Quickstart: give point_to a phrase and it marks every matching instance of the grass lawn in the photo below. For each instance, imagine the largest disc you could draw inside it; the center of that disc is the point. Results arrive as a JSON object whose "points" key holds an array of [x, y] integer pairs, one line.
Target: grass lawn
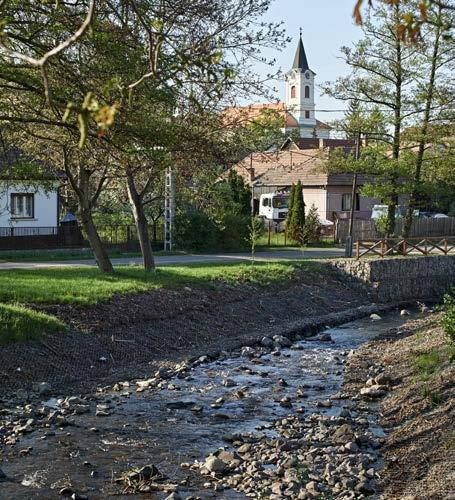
{"points": [[85, 286], [18, 323]]}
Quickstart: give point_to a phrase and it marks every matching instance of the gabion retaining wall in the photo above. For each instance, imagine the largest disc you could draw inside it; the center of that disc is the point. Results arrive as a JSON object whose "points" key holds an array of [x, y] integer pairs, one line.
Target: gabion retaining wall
{"points": [[400, 279]]}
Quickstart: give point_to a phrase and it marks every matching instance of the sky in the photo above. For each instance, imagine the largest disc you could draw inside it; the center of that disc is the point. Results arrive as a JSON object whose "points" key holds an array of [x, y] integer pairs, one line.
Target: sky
{"points": [[326, 25]]}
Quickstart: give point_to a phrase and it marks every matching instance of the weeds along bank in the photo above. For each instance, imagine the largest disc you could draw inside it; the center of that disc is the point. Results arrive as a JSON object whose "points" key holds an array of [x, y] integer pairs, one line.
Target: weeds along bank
{"points": [[418, 409]]}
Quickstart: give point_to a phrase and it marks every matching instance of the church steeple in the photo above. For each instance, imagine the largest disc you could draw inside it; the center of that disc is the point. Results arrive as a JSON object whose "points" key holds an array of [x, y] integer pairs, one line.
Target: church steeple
{"points": [[300, 60]]}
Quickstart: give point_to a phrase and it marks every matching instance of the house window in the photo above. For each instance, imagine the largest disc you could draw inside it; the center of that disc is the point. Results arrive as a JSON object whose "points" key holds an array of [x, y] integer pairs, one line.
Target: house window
{"points": [[307, 91], [22, 206], [307, 114], [293, 92], [346, 202]]}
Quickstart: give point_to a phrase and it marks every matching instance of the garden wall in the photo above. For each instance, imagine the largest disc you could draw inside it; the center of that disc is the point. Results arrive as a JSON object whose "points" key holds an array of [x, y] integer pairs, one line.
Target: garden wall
{"points": [[400, 279]]}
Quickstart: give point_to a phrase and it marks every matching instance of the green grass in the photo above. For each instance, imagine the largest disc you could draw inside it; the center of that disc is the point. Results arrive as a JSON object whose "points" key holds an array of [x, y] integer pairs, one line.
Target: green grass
{"points": [[426, 364], [83, 285], [18, 323], [64, 255]]}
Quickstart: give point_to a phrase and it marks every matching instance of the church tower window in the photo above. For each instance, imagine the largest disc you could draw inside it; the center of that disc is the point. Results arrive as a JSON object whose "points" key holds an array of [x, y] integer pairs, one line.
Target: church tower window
{"points": [[307, 114], [293, 92], [307, 91]]}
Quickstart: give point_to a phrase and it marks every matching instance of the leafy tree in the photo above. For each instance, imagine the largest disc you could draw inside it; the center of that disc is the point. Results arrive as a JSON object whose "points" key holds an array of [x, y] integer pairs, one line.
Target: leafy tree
{"points": [[255, 228], [241, 194], [383, 73], [415, 16], [113, 90], [437, 55]]}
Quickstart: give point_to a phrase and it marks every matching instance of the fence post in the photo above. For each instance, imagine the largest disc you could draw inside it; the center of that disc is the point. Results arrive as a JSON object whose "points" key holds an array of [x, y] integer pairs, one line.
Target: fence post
{"points": [[446, 250], [270, 232]]}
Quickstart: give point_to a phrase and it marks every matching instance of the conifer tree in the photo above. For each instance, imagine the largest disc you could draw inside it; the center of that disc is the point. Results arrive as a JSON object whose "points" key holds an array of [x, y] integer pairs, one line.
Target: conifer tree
{"points": [[313, 227], [290, 205], [297, 218]]}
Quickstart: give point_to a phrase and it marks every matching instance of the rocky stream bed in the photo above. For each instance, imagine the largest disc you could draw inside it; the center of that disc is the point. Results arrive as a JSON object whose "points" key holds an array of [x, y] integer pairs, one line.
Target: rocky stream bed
{"points": [[267, 421]]}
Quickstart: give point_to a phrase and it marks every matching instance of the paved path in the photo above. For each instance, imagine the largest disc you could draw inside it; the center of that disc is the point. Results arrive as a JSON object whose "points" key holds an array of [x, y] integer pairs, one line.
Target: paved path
{"points": [[312, 253]]}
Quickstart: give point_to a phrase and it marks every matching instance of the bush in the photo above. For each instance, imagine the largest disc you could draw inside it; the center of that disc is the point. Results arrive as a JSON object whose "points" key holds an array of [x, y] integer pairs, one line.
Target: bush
{"points": [[313, 228], [195, 230], [448, 317], [233, 232]]}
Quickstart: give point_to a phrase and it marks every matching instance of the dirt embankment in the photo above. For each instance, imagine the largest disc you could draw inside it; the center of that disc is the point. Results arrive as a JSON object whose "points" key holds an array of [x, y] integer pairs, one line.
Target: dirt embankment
{"points": [[418, 414], [130, 335]]}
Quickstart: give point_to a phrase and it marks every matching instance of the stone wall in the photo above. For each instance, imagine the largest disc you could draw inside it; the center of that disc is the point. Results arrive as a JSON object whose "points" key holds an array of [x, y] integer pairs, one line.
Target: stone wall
{"points": [[400, 279]]}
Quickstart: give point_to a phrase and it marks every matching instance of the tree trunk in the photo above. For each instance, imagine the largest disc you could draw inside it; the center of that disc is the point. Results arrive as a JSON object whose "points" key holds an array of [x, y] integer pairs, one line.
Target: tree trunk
{"points": [[423, 137], [141, 224], [155, 222], [100, 253], [393, 203]]}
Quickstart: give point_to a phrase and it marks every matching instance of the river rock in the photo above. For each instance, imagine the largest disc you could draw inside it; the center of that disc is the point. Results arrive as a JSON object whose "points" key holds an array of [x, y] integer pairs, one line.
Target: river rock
{"points": [[181, 405], [248, 352], [42, 388], [282, 341], [375, 317], [215, 464], [382, 379], [267, 342], [375, 391], [404, 312], [351, 446], [325, 337], [174, 496]]}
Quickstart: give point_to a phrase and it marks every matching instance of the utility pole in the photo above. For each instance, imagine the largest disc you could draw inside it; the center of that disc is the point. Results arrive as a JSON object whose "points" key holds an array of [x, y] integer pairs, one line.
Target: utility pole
{"points": [[169, 208], [348, 250]]}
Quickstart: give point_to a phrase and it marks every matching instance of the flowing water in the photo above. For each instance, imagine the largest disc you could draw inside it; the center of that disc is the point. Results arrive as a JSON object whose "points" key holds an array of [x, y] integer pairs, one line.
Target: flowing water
{"points": [[182, 422]]}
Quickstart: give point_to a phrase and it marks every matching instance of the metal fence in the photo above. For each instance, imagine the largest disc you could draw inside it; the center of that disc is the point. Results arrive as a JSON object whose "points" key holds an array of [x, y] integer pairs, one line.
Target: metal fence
{"points": [[8, 232], [117, 235], [367, 230]]}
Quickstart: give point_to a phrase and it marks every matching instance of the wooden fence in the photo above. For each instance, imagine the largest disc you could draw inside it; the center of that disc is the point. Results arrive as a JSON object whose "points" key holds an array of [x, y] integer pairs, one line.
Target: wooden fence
{"points": [[404, 247], [367, 230]]}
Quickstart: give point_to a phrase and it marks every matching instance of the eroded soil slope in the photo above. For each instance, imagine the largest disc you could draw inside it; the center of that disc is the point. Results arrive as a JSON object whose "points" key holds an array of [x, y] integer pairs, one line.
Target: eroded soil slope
{"points": [[124, 336]]}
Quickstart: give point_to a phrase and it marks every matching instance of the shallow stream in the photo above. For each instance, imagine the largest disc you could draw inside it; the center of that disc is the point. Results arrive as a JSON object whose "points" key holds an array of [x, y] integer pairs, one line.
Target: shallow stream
{"points": [[182, 422]]}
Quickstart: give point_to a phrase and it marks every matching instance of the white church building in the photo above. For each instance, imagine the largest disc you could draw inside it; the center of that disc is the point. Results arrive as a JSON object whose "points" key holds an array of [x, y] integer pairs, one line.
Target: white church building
{"points": [[299, 109], [300, 101]]}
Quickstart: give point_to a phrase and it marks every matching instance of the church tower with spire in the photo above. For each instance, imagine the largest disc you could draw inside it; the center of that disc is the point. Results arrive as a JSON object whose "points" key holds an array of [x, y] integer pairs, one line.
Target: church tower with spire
{"points": [[300, 95]]}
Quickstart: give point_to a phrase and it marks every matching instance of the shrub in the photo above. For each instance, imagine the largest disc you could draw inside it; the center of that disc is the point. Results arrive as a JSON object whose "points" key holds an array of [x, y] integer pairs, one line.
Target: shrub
{"points": [[313, 228], [233, 232], [195, 230], [448, 317]]}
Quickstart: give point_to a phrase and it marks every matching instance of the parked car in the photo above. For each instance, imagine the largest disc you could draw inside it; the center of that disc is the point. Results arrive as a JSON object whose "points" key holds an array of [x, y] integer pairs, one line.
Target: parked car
{"points": [[381, 210]]}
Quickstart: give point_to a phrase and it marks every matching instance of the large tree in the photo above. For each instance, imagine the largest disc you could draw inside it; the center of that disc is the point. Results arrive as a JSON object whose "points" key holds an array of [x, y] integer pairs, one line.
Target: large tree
{"points": [[384, 69], [118, 87]]}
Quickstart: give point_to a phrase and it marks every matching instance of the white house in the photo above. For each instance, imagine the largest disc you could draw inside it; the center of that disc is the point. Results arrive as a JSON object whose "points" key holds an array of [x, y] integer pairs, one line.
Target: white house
{"points": [[29, 202]]}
